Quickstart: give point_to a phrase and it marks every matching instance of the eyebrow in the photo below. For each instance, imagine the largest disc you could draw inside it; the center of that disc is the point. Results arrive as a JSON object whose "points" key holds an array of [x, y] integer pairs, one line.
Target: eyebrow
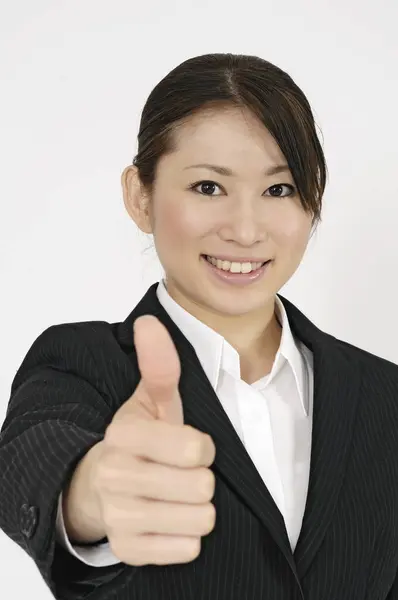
{"points": [[273, 170]]}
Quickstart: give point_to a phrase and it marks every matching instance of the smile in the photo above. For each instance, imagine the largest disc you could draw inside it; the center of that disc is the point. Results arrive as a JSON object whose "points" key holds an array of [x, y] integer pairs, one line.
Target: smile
{"points": [[234, 266], [237, 274]]}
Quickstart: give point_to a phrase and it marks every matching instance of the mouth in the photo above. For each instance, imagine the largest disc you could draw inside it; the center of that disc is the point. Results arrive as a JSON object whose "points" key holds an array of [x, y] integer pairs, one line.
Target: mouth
{"points": [[234, 273], [235, 266]]}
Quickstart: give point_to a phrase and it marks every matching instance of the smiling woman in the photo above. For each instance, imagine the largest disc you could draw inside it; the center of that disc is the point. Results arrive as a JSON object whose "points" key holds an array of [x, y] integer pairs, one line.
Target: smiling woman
{"points": [[216, 444]]}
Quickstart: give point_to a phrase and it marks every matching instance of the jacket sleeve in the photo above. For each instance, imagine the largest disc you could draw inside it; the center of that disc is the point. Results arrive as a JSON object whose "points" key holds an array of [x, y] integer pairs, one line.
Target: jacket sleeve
{"points": [[59, 407]]}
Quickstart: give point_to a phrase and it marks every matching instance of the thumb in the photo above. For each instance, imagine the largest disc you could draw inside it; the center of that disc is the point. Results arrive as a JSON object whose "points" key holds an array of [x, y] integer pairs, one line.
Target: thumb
{"points": [[160, 370]]}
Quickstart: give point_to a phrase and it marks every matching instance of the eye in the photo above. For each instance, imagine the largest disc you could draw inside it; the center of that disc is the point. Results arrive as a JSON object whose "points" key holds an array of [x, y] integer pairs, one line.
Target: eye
{"points": [[278, 187], [208, 184], [276, 190]]}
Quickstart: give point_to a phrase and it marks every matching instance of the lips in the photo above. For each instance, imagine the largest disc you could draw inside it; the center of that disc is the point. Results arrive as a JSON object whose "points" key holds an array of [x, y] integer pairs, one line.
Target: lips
{"points": [[238, 277]]}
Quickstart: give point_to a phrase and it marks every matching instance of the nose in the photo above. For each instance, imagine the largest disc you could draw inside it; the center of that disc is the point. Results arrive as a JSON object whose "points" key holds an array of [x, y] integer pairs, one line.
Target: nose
{"points": [[243, 225]]}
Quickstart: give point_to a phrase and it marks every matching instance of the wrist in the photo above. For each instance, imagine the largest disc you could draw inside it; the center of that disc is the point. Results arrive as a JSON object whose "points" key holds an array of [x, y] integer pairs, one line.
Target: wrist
{"points": [[81, 507]]}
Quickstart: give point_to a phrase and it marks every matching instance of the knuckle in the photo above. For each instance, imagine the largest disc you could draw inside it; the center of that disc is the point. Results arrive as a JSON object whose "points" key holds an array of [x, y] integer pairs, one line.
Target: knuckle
{"points": [[105, 471], [194, 548], [209, 517], [206, 484], [211, 444], [194, 446]]}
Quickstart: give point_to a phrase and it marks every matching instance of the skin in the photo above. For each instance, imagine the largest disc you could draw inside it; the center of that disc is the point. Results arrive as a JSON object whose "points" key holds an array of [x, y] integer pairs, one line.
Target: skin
{"points": [[238, 216]]}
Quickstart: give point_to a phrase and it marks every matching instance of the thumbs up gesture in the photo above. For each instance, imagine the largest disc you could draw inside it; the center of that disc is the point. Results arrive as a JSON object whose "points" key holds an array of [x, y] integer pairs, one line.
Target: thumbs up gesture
{"points": [[152, 477]]}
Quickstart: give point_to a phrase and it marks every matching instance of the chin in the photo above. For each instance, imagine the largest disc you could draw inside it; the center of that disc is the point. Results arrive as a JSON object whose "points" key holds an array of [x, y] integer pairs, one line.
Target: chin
{"points": [[194, 292]]}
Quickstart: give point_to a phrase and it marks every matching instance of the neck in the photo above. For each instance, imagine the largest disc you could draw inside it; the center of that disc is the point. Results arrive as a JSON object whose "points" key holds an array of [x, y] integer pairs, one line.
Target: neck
{"points": [[255, 336], [252, 336]]}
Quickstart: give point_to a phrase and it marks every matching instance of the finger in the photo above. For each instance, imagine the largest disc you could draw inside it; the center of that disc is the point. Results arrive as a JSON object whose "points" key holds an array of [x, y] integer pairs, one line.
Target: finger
{"points": [[161, 442], [155, 549], [172, 484], [174, 518], [158, 359], [143, 516], [140, 478]]}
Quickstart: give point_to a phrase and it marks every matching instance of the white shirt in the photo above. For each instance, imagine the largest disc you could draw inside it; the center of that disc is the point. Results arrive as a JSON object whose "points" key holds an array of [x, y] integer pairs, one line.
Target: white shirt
{"points": [[272, 416]]}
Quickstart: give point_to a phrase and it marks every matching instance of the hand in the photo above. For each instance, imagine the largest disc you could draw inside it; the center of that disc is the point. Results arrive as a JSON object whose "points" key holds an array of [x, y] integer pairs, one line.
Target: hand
{"points": [[152, 476]]}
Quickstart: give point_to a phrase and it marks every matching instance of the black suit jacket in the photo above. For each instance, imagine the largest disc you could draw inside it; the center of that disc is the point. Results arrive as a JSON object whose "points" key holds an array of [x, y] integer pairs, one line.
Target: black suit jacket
{"points": [[73, 379]]}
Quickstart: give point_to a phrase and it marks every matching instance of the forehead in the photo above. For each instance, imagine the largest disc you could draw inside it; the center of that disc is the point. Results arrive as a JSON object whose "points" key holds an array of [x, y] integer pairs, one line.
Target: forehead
{"points": [[229, 135]]}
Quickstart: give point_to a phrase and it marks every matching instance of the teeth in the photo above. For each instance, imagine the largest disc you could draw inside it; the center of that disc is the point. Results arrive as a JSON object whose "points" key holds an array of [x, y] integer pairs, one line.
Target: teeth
{"points": [[234, 267]]}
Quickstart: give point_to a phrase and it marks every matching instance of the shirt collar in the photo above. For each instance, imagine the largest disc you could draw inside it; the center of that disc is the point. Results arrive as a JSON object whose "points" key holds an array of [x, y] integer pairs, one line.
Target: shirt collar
{"points": [[215, 353]]}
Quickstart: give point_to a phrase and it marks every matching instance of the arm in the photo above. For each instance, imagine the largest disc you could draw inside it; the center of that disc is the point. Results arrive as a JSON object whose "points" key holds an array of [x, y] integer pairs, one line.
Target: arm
{"points": [[53, 418]]}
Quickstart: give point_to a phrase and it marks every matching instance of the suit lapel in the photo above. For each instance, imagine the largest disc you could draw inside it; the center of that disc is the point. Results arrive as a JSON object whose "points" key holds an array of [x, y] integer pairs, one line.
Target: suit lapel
{"points": [[336, 394], [335, 397]]}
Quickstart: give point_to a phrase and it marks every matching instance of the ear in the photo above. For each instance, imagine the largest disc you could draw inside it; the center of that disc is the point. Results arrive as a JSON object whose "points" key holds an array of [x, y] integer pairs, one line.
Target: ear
{"points": [[135, 199]]}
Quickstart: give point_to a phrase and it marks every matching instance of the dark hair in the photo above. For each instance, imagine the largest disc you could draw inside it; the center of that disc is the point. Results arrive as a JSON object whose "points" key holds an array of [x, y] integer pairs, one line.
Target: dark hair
{"points": [[224, 80]]}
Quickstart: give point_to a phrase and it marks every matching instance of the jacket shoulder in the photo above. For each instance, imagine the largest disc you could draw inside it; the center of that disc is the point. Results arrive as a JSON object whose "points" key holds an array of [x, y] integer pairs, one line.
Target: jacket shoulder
{"points": [[369, 362], [88, 350]]}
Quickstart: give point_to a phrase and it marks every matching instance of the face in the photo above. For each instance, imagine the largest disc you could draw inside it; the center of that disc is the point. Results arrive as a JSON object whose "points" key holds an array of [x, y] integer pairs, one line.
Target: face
{"points": [[195, 211]]}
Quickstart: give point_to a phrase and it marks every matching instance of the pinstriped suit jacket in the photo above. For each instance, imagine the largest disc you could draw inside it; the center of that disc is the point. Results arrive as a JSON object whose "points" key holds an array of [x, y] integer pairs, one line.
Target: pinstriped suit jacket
{"points": [[73, 379]]}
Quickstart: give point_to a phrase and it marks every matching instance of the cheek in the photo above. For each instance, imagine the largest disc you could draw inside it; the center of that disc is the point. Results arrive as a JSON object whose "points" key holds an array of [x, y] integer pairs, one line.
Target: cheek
{"points": [[292, 235], [178, 223], [177, 234]]}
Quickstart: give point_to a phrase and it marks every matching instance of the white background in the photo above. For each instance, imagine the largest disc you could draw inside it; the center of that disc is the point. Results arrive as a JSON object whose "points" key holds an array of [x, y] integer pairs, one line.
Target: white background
{"points": [[74, 77]]}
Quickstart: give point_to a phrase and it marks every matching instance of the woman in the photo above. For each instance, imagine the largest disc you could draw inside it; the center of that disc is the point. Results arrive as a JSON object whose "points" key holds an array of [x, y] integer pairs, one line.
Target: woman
{"points": [[268, 468]]}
